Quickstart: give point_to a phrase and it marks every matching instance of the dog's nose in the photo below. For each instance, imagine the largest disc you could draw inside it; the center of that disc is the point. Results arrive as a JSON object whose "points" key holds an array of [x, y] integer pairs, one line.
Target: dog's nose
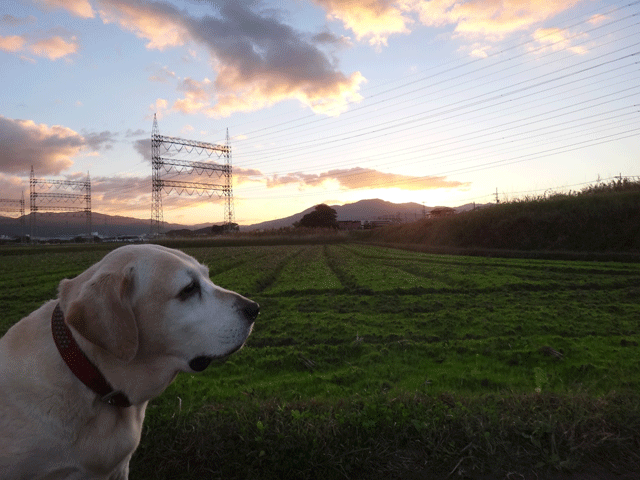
{"points": [[250, 310]]}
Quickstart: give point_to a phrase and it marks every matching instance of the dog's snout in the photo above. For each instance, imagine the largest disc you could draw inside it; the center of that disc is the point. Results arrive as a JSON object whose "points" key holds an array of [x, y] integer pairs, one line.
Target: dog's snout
{"points": [[250, 310]]}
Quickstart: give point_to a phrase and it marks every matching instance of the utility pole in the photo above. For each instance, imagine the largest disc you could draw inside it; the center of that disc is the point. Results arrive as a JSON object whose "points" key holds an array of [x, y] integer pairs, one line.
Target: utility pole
{"points": [[497, 198]]}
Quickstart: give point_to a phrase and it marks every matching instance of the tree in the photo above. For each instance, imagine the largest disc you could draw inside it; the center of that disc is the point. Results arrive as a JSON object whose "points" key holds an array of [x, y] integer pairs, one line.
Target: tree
{"points": [[322, 217]]}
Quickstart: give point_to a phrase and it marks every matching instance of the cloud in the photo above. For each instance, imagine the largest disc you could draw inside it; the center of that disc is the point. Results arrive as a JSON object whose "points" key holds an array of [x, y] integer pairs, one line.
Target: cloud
{"points": [[197, 95], [132, 194], [159, 23], [262, 61], [489, 19], [12, 44], [48, 149], [17, 21], [12, 188], [97, 141], [121, 194], [162, 75], [79, 8], [136, 133], [376, 20], [598, 19], [373, 20], [258, 59], [555, 39], [53, 47], [328, 38], [159, 107], [143, 147], [364, 178]]}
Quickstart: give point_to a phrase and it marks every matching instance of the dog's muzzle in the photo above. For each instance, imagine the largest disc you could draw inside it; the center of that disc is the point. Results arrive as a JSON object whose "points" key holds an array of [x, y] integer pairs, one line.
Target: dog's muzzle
{"points": [[250, 311]]}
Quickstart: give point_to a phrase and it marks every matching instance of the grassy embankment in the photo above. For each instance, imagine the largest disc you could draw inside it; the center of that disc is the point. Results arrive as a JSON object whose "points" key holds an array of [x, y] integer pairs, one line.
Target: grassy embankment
{"points": [[374, 363], [603, 218]]}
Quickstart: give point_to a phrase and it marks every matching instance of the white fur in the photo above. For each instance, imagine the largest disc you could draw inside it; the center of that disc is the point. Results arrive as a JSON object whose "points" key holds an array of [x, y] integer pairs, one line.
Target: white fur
{"points": [[127, 315]]}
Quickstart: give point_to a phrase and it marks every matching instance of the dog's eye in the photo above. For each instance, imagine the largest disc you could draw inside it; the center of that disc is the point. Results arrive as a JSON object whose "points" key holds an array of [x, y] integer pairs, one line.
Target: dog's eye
{"points": [[189, 290]]}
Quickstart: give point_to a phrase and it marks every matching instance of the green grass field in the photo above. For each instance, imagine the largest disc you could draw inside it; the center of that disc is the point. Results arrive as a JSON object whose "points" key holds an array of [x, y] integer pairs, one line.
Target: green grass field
{"points": [[369, 362]]}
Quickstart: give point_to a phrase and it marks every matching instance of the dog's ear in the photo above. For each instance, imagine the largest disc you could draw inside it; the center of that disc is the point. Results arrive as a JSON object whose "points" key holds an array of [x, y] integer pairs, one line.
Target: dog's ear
{"points": [[103, 314]]}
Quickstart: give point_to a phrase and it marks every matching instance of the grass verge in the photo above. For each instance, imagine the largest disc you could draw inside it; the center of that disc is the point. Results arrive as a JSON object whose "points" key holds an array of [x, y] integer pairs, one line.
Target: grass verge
{"points": [[408, 436]]}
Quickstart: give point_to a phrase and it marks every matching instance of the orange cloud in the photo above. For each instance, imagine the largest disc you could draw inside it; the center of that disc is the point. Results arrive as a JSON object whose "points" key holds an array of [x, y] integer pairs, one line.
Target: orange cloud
{"points": [[158, 108], [12, 44], [364, 178], [197, 96], [374, 20], [492, 19], [54, 48], [158, 23], [13, 187], [79, 8], [247, 94]]}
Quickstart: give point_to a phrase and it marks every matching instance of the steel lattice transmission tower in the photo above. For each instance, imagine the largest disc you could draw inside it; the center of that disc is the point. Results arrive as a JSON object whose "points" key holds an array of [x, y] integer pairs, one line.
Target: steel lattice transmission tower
{"points": [[228, 188], [161, 166], [67, 194], [156, 182]]}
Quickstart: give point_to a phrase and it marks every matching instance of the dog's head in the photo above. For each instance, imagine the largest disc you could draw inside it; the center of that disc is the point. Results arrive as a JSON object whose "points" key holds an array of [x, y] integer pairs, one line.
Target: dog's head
{"points": [[147, 312]]}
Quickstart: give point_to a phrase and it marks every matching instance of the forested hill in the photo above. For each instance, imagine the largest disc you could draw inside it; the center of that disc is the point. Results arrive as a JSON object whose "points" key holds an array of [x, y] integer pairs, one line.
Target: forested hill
{"points": [[600, 218]]}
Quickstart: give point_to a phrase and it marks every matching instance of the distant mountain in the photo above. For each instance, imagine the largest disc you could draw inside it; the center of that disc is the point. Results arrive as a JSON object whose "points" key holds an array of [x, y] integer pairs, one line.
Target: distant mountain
{"points": [[364, 210], [52, 225]]}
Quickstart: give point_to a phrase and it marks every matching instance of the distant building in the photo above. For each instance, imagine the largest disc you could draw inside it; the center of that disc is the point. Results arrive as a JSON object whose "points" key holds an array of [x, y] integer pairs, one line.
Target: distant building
{"points": [[377, 224], [349, 225], [442, 212]]}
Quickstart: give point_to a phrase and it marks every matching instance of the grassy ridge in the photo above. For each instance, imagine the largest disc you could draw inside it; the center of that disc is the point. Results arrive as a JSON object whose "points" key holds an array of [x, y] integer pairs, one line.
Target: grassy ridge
{"points": [[370, 362], [598, 220]]}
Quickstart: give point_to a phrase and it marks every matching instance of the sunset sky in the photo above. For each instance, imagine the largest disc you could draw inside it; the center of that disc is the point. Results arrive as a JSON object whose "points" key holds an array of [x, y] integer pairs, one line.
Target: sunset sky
{"points": [[325, 101]]}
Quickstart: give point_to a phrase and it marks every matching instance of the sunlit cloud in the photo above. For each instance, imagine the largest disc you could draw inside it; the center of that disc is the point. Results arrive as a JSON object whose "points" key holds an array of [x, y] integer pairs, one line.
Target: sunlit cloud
{"points": [[364, 178], [79, 8], [158, 108], [158, 23], [476, 49], [53, 48], [12, 44], [12, 188], [372, 20], [198, 95], [258, 60], [555, 39], [490, 20]]}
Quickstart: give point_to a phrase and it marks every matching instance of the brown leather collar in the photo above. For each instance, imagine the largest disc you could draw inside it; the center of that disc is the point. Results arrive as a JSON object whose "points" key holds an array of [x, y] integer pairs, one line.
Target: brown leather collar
{"points": [[80, 365]]}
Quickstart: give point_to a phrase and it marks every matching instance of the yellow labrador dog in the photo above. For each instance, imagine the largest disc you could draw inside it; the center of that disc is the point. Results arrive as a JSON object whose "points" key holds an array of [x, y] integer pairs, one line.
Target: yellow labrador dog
{"points": [[76, 374]]}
